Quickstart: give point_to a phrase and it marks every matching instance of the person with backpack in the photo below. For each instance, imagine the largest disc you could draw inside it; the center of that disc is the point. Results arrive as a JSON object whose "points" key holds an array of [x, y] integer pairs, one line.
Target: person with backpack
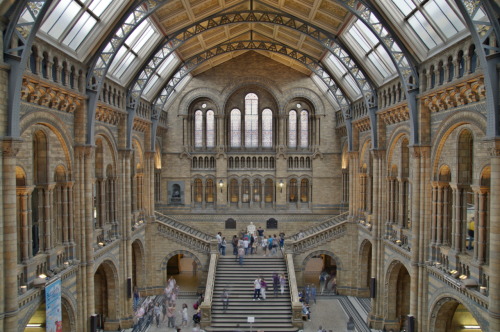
{"points": [[276, 283]]}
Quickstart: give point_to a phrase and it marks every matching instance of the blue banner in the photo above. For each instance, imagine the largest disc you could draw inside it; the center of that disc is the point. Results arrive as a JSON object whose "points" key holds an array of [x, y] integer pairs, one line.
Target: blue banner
{"points": [[53, 310]]}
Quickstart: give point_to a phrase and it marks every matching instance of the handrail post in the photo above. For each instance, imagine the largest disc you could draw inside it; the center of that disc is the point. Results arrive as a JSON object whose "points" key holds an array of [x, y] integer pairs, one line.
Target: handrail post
{"points": [[206, 305], [294, 292]]}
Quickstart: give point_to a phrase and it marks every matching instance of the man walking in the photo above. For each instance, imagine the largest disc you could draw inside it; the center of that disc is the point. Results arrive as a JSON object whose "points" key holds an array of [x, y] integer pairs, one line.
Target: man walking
{"points": [[257, 287], [225, 300]]}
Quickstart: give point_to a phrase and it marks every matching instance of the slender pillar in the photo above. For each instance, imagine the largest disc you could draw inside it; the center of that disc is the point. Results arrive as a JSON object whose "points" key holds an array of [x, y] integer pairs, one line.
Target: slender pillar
{"points": [[494, 234], [8, 277]]}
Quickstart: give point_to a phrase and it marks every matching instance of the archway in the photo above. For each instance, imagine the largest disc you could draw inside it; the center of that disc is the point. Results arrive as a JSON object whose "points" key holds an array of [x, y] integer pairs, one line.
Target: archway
{"points": [[37, 321], [365, 268], [453, 316], [105, 293], [320, 270], [398, 289], [138, 268], [185, 267]]}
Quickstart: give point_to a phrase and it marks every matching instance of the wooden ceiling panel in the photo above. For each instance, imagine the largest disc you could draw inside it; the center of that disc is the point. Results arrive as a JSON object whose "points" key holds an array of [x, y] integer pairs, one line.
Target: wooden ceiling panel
{"points": [[333, 9], [178, 14], [206, 8], [298, 8]]}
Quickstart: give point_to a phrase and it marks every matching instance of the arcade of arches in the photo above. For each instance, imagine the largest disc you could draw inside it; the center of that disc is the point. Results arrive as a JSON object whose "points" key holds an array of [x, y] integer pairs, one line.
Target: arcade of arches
{"points": [[121, 163]]}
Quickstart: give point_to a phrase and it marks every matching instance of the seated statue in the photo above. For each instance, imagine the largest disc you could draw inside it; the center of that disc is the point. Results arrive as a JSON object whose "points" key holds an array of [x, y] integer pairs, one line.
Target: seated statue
{"points": [[251, 229]]}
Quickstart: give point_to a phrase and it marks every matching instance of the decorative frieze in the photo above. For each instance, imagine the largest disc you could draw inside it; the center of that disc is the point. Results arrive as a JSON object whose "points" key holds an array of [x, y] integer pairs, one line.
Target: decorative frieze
{"points": [[397, 114], [106, 114], [36, 91], [466, 92]]}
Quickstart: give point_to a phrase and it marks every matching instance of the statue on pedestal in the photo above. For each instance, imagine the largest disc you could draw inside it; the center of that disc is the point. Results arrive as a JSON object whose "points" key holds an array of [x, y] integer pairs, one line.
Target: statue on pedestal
{"points": [[251, 229]]}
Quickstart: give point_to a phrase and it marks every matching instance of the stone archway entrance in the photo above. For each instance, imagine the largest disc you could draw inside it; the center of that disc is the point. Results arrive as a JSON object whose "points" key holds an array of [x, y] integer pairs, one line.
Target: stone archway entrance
{"points": [[37, 321], [321, 263], [397, 296], [452, 316], [185, 267], [105, 295], [138, 268]]}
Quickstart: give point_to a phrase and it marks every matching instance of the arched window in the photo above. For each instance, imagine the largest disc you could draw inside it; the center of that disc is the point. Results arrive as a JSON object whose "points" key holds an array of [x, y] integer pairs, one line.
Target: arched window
{"points": [[234, 191], [235, 128], [245, 191], [304, 190], [267, 128], [292, 129], [210, 191], [198, 129], [210, 129], [293, 193], [251, 120], [304, 129], [269, 191], [198, 191], [257, 190]]}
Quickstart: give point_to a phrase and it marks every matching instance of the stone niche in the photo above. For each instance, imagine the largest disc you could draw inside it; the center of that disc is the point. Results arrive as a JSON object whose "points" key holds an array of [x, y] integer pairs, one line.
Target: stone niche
{"points": [[175, 192]]}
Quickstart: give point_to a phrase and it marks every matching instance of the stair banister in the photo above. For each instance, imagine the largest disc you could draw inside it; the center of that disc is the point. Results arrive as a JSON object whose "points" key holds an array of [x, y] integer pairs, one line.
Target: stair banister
{"points": [[206, 305], [294, 292]]}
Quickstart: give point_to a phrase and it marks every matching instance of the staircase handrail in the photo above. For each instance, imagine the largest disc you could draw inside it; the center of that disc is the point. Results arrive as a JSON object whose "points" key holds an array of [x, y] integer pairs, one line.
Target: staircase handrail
{"points": [[327, 234], [330, 221], [206, 305], [294, 292], [201, 244], [206, 237]]}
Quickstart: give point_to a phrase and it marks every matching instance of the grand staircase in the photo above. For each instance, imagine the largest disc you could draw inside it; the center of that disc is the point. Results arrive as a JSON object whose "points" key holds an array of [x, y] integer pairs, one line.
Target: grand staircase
{"points": [[272, 314]]}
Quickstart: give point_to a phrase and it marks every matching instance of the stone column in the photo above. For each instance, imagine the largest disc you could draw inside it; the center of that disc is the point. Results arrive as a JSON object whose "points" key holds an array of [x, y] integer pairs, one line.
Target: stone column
{"points": [[494, 233], [353, 184], [89, 162], [8, 240], [481, 229], [23, 194]]}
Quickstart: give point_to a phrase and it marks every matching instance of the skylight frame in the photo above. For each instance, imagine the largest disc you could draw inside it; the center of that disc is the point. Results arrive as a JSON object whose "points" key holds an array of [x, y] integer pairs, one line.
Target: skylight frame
{"points": [[78, 46]]}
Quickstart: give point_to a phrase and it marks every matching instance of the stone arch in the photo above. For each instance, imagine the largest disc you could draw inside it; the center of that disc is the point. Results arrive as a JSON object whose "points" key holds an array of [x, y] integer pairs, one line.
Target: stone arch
{"points": [[259, 81], [55, 125], [448, 125], [308, 95], [107, 291], [396, 311], [31, 311], [68, 308], [138, 264], [191, 96], [110, 140], [365, 255], [393, 142], [442, 310], [321, 252], [189, 254]]}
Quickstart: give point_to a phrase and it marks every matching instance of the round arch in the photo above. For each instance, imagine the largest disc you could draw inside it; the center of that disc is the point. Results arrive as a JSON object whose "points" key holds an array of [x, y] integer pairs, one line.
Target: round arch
{"points": [[107, 291], [397, 285], [365, 266], [444, 318], [186, 253], [138, 264], [333, 270]]}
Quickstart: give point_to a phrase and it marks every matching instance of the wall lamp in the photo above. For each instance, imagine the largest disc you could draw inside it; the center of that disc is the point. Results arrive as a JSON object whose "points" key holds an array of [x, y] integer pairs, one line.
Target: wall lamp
{"points": [[281, 186], [221, 184]]}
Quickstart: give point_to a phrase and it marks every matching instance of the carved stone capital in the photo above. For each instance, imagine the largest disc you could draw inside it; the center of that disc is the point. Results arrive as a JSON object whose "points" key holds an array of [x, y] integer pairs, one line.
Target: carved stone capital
{"points": [[10, 147]]}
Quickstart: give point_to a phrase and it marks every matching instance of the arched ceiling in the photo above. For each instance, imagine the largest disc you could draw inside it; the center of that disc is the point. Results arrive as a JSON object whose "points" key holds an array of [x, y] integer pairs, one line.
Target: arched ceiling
{"points": [[325, 14]]}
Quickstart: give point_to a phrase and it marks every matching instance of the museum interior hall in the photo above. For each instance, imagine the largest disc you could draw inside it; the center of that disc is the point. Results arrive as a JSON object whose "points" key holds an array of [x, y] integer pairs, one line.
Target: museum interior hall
{"points": [[162, 152]]}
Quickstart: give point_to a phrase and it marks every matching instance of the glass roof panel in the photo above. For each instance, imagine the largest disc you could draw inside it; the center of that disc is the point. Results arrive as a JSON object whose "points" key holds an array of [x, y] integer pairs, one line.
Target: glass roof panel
{"points": [[71, 21], [433, 21]]}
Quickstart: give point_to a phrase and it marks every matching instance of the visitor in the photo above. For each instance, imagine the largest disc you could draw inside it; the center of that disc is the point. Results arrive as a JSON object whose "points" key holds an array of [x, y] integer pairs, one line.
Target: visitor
{"points": [[246, 242], [171, 315], [312, 290], [322, 281], [223, 245], [276, 283], [252, 241], [264, 245], [263, 286], [282, 283], [305, 311], [137, 298], [219, 241], [234, 242], [184, 314], [241, 254], [225, 300], [157, 313], [257, 287]]}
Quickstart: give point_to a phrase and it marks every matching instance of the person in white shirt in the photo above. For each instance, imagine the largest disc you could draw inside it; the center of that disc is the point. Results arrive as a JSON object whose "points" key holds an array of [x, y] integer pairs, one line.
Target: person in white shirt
{"points": [[245, 245], [257, 286]]}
